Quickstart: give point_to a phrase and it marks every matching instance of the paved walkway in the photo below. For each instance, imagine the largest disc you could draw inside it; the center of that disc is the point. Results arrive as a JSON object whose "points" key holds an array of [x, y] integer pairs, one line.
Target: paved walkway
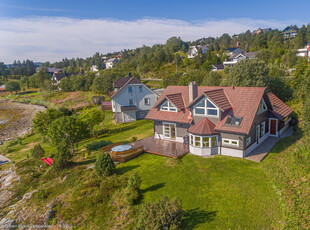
{"points": [[162, 147], [4, 160], [259, 153]]}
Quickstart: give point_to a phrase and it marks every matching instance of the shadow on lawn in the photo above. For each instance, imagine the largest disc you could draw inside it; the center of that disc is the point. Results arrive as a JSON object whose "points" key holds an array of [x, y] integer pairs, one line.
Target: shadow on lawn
{"points": [[125, 169], [153, 187], [90, 161], [194, 217]]}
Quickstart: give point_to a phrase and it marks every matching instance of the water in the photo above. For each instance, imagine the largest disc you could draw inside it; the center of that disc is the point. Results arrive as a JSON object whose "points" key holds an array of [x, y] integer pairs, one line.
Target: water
{"points": [[2, 121]]}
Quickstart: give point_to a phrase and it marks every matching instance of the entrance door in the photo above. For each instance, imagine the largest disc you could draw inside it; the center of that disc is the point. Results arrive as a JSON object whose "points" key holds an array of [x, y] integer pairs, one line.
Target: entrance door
{"points": [[257, 133], [169, 131], [273, 127]]}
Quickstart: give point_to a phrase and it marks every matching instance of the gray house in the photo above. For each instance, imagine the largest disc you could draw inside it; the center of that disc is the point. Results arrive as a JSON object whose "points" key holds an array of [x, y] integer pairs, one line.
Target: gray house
{"points": [[131, 99], [230, 121]]}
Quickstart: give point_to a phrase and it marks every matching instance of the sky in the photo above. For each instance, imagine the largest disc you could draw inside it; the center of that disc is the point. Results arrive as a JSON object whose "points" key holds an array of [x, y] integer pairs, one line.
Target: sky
{"points": [[51, 30]]}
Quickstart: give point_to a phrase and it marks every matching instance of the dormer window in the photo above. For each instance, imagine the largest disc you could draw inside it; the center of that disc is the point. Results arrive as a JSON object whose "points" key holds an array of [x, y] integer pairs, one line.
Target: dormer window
{"points": [[206, 108], [168, 106], [262, 107]]}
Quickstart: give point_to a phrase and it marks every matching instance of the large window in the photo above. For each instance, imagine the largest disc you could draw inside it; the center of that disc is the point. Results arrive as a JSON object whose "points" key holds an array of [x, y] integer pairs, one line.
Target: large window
{"points": [[262, 107], [169, 130], [206, 108], [203, 141], [263, 132], [168, 106]]}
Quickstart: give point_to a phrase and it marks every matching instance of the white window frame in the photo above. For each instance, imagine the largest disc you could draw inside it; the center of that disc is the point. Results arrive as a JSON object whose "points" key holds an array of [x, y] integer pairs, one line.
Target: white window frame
{"points": [[193, 142], [248, 141], [262, 107], [140, 89], [130, 87], [230, 142], [206, 108], [148, 101], [169, 137], [170, 107], [263, 129]]}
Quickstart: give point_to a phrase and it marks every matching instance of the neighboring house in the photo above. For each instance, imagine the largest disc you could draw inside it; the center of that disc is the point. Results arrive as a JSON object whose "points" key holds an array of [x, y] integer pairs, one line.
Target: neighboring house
{"points": [[230, 121], [131, 99], [194, 50], [50, 70], [232, 51], [305, 52], [259, 30], [235, 58], [56, 78], [2, 88], [218, 67], [94, 68], [111, 63], [290, 32]]}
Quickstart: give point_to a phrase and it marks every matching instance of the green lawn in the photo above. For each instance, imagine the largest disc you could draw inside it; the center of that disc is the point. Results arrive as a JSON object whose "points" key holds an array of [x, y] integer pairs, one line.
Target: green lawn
{"points": [[217, 193]]}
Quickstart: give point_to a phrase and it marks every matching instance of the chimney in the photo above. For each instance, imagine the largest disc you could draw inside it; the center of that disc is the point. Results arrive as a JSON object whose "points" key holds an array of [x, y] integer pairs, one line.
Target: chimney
{"points": [[129, 74], [193, 91], [232, 86]]}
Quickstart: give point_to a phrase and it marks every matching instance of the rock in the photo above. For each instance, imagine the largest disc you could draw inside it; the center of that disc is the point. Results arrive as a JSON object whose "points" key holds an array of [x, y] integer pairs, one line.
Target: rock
{"points": [[8, 224]]}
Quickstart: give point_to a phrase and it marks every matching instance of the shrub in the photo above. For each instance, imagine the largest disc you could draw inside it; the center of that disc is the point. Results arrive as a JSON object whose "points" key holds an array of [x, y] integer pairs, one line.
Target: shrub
{"points": [[133, 139], [96, 145], [41, 195], [63, 156], [104, 165], [37, 152], [163, 214], [132, 192]]}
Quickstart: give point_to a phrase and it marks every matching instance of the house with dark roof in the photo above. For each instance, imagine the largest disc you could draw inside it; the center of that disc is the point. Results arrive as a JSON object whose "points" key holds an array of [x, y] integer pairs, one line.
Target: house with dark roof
{"points": [[259, 30], [230, 121], [56, 78], [290, 32], [233, 50], [237, 57], [131, 99], [218, 67], [2, 88]]}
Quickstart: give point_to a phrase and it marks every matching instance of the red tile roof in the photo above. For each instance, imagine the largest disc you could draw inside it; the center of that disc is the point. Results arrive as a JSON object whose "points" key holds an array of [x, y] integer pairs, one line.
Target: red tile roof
{"points": [[244, 102], [203, 127], [219, 98], [177, 100], [279, 108]]}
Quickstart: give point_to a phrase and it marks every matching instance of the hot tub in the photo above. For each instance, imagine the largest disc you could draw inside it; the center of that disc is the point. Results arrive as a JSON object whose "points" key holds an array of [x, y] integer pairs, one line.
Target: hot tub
{"points": [[121, 148]]}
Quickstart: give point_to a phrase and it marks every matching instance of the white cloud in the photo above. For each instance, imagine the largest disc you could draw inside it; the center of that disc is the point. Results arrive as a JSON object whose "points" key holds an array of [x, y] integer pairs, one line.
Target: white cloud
{"points": [[54, 38]]}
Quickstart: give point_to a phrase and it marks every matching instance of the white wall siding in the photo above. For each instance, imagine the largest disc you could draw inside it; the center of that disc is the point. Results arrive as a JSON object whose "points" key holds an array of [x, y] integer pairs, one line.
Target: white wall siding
{"points": [[232, 152], [203, 151]]}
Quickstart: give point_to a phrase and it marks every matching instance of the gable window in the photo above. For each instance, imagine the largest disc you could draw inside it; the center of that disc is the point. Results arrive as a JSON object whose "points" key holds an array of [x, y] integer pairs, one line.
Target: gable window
{"points": [[130, 89], [230, 142], [140, 89], [262, 107], [130, 101], [147, 101], [206, 108], [168, 106]]}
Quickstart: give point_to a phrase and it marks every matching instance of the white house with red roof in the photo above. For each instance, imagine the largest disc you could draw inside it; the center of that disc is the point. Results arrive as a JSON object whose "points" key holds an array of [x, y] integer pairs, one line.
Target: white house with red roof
{"points": [[131, 99], [230, 121]]}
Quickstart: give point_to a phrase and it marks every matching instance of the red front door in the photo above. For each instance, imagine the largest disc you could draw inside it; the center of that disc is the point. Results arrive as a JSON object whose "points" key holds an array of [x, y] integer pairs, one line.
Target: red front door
{"points": [[273, 127]]}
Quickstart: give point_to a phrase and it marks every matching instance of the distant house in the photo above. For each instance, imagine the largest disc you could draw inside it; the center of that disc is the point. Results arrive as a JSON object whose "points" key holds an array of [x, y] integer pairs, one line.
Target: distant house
{"points": [[194, 50], [235, 58], [50, 70], [111, 63], [290, 32], [259, 30], [218, 67], [56, 78], [2, 88], [304, 52], [131, 99], [94, 68], [233, 50]]}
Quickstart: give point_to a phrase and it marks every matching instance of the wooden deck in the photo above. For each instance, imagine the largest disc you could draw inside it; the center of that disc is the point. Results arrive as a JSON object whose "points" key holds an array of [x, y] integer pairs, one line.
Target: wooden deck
{"points": [[162, 147]]}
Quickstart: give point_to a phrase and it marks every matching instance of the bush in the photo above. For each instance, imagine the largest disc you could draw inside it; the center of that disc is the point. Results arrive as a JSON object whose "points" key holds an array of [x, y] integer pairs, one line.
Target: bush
{"points": [[133, 139], [104, 165], [37, 152], [96, 145], [163, 214], [63, 156]]}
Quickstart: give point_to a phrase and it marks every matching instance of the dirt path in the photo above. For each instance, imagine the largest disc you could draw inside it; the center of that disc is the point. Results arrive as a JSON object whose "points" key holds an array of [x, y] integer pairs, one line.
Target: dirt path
{"points": [[18, 117]]}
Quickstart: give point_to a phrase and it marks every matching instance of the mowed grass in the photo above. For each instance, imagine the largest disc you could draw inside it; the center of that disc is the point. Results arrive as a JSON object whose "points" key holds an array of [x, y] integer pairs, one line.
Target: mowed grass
{"points": [[217, 193]]}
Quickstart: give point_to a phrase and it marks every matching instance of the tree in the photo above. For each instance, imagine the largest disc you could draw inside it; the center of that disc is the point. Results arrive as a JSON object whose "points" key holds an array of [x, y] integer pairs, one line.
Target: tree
{"points": [[163, 214], [65, 85], [193, 75], [63, 156], [212, 79], [306, 116], [69, 129], [12, 86], [104, 165], [92, 117], [249, 73], [103, 83]]}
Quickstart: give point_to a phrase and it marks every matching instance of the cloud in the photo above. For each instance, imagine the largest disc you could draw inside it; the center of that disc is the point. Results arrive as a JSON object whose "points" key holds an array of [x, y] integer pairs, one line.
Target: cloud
{"points": [[54, 38]]}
